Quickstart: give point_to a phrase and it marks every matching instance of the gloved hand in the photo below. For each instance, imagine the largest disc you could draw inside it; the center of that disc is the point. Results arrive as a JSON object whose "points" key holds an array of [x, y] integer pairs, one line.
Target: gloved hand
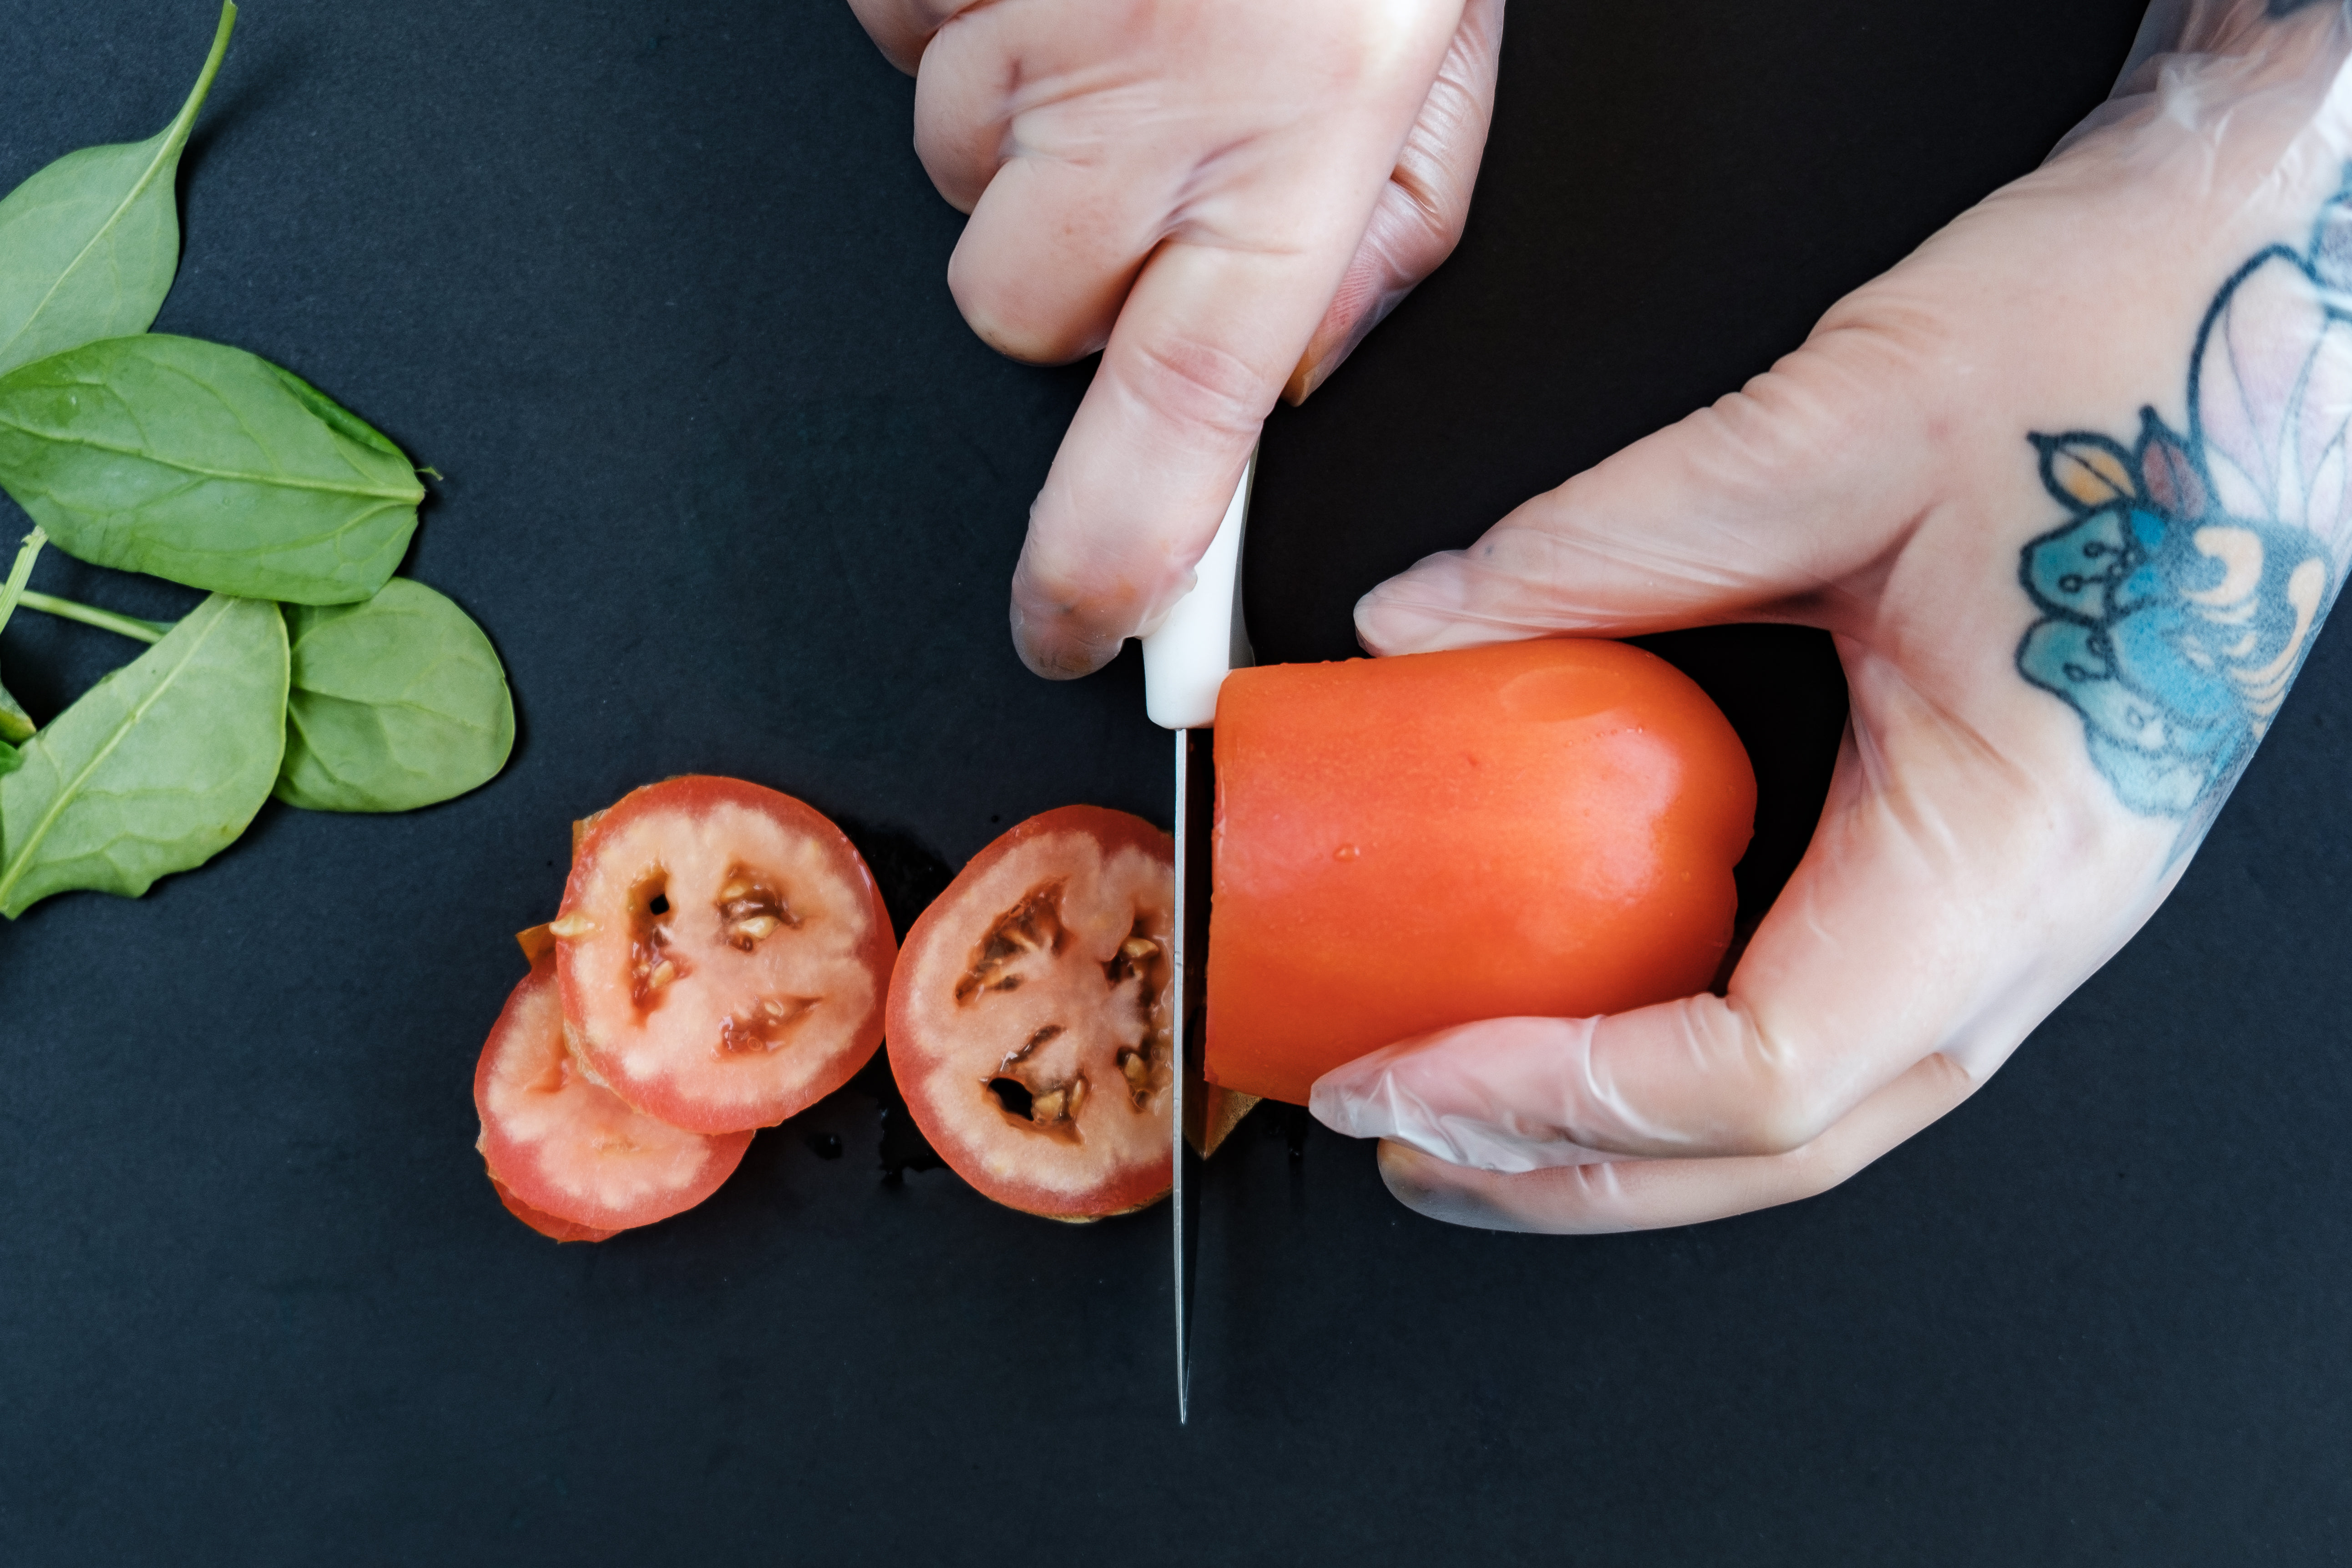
{"points": [[2069, 487], [1224, 196]]}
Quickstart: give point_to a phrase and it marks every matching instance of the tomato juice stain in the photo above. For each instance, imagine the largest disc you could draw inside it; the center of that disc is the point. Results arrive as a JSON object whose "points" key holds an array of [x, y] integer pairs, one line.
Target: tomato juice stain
{"points": [[909, 875], [1295, 1122]]}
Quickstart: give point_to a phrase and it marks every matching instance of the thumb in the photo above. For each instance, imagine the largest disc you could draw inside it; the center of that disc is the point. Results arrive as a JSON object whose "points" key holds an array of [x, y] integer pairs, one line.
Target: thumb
{"points": [[1758, 508]]}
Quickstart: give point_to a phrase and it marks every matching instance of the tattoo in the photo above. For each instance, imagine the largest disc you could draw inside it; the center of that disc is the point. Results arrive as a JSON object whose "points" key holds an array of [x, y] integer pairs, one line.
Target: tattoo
{"points": [[2180, 596]]}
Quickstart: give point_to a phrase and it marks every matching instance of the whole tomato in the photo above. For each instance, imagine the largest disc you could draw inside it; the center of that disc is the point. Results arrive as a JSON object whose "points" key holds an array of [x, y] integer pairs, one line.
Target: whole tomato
{"points": [[1538, 828]]}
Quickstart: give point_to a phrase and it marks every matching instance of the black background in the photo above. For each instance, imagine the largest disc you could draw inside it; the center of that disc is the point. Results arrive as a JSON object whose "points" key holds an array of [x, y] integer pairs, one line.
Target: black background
{"points": [[659, 288]]}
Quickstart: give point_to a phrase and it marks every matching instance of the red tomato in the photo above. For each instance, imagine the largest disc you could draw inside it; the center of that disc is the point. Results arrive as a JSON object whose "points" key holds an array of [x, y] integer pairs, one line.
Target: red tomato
{"points": [[1030, 1013], [546, 1224], [1538, 828], [571, 1151], [724, 955]]}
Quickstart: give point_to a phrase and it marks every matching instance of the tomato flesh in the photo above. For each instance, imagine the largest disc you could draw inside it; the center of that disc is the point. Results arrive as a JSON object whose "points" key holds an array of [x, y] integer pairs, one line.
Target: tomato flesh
{"points": [[1539, 829], [571, 1149], [1029, 1016], [724, 955]]}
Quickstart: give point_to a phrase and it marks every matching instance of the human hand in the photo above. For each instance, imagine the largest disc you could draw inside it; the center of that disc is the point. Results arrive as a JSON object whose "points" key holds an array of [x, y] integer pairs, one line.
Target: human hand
{"points": [[1221, 196], [2069, 487]]}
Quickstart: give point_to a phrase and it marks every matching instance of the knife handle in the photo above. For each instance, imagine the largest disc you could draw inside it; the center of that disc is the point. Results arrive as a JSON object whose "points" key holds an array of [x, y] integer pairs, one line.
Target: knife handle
{"points": [[1203, 640]]}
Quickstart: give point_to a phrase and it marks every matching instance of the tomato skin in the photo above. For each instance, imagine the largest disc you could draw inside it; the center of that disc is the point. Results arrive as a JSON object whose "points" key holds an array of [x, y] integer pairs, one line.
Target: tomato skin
{"points": [[693, 1083], [941, 1052], [1540, 829], [552, 1226]]}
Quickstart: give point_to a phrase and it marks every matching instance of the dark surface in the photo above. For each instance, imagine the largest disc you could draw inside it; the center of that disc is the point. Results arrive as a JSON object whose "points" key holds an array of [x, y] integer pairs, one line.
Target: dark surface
{"points": [[659, 288]]}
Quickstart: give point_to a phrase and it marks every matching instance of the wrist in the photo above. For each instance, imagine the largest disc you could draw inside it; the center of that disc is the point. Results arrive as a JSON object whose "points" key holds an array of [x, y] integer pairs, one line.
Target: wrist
{"points": [[2244, 96], [2283, 31]]}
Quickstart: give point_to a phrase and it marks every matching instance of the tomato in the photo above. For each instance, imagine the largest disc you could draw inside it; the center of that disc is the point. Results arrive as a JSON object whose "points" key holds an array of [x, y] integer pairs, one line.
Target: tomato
{"points": [[546, 1224], [724, 955], [1030, 1016], [569, 1151], [1538, 828]]}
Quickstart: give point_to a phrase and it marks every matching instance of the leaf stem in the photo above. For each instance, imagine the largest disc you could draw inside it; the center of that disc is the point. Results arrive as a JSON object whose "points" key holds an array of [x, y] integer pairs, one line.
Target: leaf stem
{"points": [[185, 121], [104, 620], [13, 590]]}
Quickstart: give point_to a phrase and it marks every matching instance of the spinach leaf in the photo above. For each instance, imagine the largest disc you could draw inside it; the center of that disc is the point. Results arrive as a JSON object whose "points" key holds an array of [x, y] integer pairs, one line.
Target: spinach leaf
{"points": [[396, 703], [89, 245], [208, 466], [157, 767]]}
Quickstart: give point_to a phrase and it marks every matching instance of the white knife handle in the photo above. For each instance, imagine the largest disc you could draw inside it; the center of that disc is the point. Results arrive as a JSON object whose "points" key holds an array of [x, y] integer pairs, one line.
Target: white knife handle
{"points": [[1203, 640]]}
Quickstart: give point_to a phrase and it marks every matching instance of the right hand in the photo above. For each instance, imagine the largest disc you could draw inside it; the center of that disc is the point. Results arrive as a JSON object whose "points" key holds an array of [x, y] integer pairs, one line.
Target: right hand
{"points": [[1224, 196]]}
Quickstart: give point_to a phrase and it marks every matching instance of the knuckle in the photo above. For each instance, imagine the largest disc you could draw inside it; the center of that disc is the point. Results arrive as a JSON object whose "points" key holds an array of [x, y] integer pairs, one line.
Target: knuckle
{"points": [[1187, 380], [1414, 228], [1809, 1172], [1784, 1101], [1374, 46]]}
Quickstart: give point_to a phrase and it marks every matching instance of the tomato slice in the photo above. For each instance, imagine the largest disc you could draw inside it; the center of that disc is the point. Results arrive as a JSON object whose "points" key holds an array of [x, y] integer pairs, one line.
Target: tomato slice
{"points": [[571, 1151], [724, 955], [546, 1224], [1538, 828], [1029, 1015]]}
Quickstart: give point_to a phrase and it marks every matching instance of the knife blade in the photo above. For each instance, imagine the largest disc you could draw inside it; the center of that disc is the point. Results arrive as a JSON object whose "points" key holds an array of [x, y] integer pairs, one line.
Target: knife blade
{"points": [[1184, 661]]}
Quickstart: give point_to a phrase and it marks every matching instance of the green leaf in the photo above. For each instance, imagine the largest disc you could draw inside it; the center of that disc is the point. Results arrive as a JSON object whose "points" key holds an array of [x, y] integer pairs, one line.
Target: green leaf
{"points": [[342, 420], [157, 768], [11, 759], [208, 466], [89, 245], [396, 703]]}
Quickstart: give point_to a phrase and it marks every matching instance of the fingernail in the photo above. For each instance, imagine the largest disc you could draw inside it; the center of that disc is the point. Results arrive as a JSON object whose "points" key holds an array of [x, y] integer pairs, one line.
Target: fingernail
{"points": [[1054, 651], [1303, 381], [1333, 1109], [1418, 1182], [1385, 626]]}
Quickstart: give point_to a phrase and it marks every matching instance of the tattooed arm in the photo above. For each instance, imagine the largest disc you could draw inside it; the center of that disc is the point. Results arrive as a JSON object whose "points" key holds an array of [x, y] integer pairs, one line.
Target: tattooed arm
{"points": [[2070, 489]]}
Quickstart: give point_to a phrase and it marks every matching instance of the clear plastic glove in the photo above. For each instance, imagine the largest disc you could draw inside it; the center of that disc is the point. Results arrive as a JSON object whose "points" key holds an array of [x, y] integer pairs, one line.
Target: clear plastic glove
{"points": [[1224, 196], [2069, 488]]}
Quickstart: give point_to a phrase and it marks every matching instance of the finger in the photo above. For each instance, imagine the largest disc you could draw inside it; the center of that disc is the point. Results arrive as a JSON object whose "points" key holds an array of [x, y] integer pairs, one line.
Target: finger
{"points": [[901, 28], [1203, 342], [1646, 1195], [1052, 303], [974, 80], [1422, 210], [1759, 507], [1915, 923]]}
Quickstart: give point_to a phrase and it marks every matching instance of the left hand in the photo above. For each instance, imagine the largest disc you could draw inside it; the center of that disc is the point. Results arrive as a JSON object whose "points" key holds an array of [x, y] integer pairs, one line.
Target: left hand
{"points": [[2065, 625]]}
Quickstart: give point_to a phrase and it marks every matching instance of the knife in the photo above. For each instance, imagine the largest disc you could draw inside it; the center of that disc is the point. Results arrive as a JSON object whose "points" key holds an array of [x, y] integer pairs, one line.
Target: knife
{"points": [[1184, 662]]}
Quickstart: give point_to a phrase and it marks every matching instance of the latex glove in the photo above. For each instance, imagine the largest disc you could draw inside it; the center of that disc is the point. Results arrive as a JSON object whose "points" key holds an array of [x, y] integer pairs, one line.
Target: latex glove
{"points": [[2065, 625], [1224, 196]]}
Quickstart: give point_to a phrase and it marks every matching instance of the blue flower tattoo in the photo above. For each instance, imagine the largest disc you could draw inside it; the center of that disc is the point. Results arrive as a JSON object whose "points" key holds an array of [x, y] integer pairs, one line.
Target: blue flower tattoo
{"points": [[2180, 596]]}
